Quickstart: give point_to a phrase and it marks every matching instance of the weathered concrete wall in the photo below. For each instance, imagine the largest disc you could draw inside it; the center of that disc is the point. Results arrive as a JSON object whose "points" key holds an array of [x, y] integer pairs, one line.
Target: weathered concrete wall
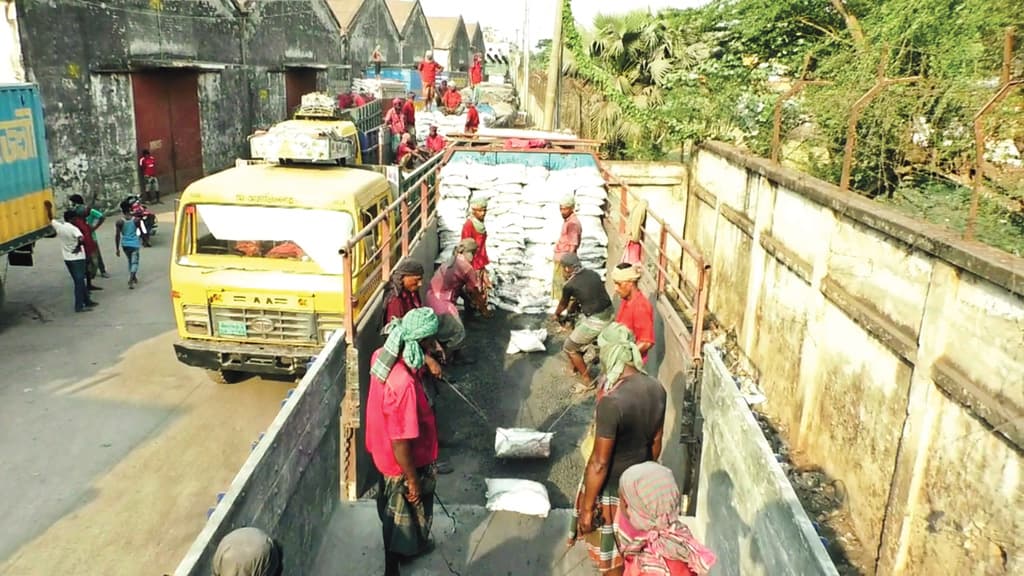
{"points": [[892, 354], [747, 511], [460, 52], [90, 121], [224, 117], [289, 485], [416, 38], [371, 26]]}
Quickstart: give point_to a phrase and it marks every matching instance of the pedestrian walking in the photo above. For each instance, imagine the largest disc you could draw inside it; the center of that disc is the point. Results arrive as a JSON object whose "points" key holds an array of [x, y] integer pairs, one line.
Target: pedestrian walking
{"points": [[73, 252], [401, 437], [128, 237], [150, 183], [94, 218], [428, 69]]}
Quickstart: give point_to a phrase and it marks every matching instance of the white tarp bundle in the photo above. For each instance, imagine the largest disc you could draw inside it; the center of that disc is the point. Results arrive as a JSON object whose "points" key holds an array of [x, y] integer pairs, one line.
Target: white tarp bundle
{"points": [[523, 224], [526, 341], [522, 443], [522, 496]]}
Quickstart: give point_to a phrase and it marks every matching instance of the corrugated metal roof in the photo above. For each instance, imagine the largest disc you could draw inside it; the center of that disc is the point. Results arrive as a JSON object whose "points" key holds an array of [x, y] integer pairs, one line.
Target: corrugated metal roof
{"points": [[401, 10], [444, 29]]}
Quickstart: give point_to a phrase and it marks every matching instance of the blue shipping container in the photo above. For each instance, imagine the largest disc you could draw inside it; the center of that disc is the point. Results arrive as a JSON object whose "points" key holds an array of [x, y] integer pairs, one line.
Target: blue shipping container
{"points": [[24, 163], [407, 76]]}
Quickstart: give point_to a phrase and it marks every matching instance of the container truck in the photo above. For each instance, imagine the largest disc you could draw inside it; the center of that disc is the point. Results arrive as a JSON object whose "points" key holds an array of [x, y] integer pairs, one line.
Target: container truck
{"points": [[24, 177]]}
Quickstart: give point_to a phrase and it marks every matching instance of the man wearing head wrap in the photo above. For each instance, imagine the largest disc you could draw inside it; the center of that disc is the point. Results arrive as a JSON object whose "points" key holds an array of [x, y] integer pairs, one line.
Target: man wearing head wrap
{"points": [[247, 552], [649, 528], [428, 75], [628, 428], [584, 290], [402, 292], [635, 310], [568, 241], [474, 228], [453, 279], [401, 437], [451, 100]]}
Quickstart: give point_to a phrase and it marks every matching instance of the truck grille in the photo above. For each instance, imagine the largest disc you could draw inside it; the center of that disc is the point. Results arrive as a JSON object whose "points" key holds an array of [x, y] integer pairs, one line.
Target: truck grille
{"points": [[262, 324]]}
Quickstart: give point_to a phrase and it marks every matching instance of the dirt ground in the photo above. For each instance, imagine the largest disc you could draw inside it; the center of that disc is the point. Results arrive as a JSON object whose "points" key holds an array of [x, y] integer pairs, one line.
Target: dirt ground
{"points": [[522, 390]]}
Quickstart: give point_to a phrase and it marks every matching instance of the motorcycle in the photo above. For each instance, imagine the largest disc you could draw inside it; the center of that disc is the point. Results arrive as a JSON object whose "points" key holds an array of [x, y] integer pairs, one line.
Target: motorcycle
{"points": [[132, 206]]}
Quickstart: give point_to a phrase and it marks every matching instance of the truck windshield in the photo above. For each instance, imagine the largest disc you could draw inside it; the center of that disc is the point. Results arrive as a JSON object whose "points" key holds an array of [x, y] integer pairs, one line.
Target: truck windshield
{"points": [[263, 232]]}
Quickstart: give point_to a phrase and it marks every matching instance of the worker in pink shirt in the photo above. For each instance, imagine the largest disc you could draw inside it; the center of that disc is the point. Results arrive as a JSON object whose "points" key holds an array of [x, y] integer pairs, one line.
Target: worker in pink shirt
{"points": [[568, 242]]}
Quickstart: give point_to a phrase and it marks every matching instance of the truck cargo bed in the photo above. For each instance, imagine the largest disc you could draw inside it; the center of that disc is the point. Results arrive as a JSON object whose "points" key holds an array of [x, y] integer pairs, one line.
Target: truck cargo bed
{"points": [[483, 543], [522, 390]]}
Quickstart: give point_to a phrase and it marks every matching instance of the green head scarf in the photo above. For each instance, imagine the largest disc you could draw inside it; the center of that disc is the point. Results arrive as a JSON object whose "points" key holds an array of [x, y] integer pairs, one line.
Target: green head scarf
{"points": [[404, 335], [617, 349]]}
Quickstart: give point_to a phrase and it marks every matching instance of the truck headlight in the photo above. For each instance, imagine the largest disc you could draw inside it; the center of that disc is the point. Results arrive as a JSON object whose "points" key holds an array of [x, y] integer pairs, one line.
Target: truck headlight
{"points": [[196, 318]]}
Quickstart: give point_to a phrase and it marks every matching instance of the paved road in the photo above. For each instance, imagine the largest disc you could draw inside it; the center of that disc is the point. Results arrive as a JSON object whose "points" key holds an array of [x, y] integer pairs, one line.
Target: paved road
{"points": [[110, 450]]}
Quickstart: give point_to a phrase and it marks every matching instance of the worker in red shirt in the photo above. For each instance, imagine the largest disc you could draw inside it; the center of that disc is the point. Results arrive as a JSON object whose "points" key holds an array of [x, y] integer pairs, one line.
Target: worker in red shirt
{"points": [[476, 70], [476, 74], [435, 142], [451, 100], [150, 183], [428, 75], [409, 115], [568, 241], [345, 100], [395, 121], [409, 156], [635, 311], [472, 118], [474, 228]]}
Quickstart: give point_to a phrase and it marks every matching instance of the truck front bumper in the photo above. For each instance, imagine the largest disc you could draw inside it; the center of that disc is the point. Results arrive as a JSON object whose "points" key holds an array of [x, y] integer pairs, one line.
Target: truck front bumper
{"points": [[250, 358]]}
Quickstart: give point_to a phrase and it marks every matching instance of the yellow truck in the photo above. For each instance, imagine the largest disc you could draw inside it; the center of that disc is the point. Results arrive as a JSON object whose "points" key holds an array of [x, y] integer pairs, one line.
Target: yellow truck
{"points": [[257, 263]]}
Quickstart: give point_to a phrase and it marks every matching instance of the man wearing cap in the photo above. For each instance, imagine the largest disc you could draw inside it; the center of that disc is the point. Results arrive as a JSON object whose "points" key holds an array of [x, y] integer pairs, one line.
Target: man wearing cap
{"points": [[635, 310], [247, 551], [474, 228], [401, 437], [568, 242], [584, 290]]}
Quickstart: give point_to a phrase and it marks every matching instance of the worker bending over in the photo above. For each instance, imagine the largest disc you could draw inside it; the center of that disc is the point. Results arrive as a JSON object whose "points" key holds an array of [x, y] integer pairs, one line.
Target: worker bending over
{"points": [[584, 290]]}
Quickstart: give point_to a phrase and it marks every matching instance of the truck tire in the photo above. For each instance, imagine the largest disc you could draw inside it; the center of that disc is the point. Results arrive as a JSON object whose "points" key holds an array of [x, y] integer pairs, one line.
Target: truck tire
{"points": [[227, 376]]}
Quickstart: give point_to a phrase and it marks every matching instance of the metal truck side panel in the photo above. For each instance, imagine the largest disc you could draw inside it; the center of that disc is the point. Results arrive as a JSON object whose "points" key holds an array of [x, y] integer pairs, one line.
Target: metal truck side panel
{"points": [[24, 167]]}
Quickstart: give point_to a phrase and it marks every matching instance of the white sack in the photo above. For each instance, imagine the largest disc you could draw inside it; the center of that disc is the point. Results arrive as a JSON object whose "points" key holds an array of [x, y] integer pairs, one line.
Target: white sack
{"points": [[522, 443], [526, 341], [522, 496]]}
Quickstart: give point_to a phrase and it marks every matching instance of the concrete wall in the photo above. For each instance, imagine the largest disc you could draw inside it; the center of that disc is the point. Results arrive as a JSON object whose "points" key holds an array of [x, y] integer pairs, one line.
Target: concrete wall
{"points": [[289, 485], [371, 26], [892, 354], [82, 55], [416, 38], [747, 511]]}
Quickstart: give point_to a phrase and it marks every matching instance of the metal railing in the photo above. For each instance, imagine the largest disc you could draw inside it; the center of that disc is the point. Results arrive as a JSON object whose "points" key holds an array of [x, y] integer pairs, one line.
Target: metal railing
{"points": [[681, 273], [393, 233]]}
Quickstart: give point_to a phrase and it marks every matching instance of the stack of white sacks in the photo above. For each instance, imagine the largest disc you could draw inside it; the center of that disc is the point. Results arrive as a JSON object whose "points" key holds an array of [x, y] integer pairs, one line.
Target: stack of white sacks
{"points": [[453, 124], [523, 224]]}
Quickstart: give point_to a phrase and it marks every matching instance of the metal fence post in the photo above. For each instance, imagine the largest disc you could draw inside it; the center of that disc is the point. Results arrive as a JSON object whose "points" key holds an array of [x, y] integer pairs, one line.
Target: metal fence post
{"points": [[662, 257], [347, 293], [404, 210]]}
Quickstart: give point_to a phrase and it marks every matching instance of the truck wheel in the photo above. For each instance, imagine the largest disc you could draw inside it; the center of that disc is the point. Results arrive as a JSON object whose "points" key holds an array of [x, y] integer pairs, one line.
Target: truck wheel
{"points": [[227, 376]]}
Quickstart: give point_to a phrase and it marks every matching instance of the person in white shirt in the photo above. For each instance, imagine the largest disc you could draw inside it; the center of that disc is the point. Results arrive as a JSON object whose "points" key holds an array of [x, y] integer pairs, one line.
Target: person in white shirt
{"points": [[70, 238]]}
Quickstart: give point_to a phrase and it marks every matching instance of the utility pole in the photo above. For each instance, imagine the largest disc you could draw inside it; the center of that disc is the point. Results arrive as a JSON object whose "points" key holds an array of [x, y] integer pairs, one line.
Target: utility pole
{"points": [[525, 101], [554, 71]]}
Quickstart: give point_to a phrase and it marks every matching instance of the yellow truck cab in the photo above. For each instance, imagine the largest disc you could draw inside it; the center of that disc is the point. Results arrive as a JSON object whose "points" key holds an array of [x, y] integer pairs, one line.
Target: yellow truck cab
{"points": [[256, 273]]}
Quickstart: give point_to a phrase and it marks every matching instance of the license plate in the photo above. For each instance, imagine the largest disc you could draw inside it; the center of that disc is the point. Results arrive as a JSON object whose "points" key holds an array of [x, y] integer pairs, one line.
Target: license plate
{"points": [[231, 328]]}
